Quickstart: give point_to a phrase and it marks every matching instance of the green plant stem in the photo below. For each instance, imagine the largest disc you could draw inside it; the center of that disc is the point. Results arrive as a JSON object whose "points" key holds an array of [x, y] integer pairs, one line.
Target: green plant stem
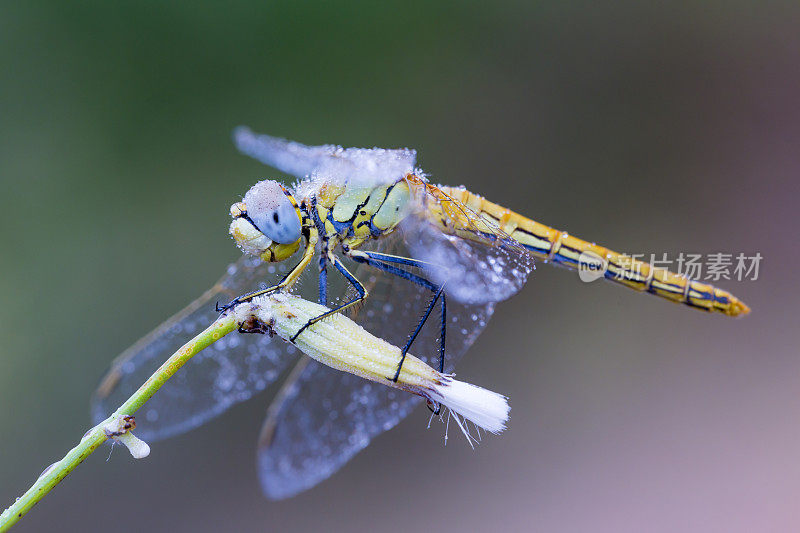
{"points": [[97, 436]]}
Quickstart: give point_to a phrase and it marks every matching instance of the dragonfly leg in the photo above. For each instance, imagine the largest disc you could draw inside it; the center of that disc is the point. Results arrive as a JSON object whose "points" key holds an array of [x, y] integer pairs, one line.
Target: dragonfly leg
{"points": [[326, 251], [287, 281], [381, 262], [417, 329], [323, 279], [357, 285], [246, 298]]}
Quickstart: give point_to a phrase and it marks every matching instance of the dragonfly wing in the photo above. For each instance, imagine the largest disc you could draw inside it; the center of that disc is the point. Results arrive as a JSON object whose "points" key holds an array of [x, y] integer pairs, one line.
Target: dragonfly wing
{"points": [[227, 372], [364, 166], [324, 417], [476, 260]]}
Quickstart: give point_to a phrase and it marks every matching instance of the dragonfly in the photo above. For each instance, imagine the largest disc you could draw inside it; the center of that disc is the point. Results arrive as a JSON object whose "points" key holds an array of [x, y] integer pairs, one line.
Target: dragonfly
{"points": [[391, 250]]}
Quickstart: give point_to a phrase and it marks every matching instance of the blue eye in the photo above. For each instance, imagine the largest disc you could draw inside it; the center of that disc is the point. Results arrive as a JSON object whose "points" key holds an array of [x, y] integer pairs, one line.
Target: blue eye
{"points": [[272, 212]]}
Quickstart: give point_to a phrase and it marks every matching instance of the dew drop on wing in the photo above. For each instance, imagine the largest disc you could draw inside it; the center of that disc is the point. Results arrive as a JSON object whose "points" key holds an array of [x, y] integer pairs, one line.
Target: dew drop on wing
{"points": [[472, 272], [327, 163]]}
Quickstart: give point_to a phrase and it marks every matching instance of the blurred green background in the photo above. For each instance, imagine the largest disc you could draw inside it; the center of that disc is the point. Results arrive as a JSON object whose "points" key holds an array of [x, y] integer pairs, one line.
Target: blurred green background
{"points": [[648, 128]]}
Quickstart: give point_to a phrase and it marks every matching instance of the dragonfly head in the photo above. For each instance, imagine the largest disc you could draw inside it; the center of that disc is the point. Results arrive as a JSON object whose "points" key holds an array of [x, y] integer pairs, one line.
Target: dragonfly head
{"points": [[267, 222]]}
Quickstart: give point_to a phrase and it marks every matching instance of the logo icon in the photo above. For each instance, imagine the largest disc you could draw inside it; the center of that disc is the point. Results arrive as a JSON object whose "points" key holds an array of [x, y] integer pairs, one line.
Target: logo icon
{"points": [[591, 266]]}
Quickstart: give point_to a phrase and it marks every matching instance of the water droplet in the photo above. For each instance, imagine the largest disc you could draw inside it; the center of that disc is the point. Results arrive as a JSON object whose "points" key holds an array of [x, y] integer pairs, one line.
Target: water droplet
{"points": [[46, 470]]}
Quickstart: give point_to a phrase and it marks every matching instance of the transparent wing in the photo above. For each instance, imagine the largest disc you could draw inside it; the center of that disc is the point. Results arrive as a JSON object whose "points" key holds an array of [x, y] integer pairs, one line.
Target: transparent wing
{"points": [[364, 166], [229, 371], [323, 417], [467, 252]]}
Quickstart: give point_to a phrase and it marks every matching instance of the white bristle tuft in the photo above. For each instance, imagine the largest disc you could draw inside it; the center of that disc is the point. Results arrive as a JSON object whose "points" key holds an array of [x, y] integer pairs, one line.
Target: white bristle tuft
{"points": [[484, 408]]}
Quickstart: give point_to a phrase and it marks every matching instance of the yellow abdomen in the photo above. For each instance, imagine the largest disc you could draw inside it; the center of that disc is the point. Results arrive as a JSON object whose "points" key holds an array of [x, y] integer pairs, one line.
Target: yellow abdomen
{"points": [[557, 246]]}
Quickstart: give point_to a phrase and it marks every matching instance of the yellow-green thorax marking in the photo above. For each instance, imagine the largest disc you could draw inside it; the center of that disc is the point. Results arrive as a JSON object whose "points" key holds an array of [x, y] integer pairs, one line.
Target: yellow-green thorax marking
{"points": [[355, 214]]}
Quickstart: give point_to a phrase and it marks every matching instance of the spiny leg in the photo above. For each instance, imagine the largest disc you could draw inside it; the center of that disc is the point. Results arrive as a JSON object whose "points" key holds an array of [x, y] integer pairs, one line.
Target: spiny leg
{"points": [[413, 336], [380, 261], [323, 280], [419, 280], [323, 257], [388, 258], [286, 281], [260, 292], [357, 285]]}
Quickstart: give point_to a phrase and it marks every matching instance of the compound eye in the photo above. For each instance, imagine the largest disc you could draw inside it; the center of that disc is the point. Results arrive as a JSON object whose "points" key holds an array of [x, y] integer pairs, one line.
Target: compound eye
{"points": [[272, 212]]}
